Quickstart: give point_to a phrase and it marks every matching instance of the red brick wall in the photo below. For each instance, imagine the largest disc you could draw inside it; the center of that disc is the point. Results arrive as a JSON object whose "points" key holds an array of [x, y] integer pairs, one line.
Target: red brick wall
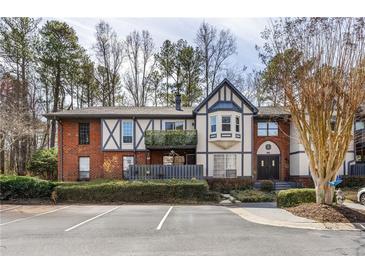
{"points": [[282, 141], [102, 164]]}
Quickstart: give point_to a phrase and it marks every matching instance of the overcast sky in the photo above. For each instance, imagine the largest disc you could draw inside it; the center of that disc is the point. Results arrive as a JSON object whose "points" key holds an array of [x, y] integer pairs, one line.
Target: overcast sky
{"points": [[247, 31]]}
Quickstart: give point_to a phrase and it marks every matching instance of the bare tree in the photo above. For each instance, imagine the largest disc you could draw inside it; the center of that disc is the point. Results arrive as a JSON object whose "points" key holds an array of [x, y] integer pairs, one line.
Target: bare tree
{"points": [[140, 54], [323, 78], [109, 54], [216, 48]]}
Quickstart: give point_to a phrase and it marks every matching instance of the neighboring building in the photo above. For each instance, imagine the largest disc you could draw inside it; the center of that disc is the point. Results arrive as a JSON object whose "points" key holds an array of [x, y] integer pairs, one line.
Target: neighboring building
{"points": [[225, 134]]}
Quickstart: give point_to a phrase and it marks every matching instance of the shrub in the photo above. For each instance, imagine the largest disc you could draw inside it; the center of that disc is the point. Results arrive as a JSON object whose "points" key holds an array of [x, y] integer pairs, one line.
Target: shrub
{"points": [[133, 191], [294, 197], [252, 196], [228, 184], [353, 181], [267, 185], [212, 196], [24, 187], [44, 164]]}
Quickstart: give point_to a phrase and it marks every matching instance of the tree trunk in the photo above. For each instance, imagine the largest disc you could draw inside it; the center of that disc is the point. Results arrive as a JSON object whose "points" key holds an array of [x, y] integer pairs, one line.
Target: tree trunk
{"points": [[55, 107], [324, 193], [2, 155]]}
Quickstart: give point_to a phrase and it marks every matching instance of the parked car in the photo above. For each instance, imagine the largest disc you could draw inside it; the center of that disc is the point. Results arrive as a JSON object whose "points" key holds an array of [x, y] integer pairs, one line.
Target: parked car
{"points": [[361, 196]]}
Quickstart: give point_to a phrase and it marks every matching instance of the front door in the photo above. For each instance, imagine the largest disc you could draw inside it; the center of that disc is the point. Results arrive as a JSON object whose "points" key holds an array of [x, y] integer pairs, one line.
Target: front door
{"points": [[268, 167]]}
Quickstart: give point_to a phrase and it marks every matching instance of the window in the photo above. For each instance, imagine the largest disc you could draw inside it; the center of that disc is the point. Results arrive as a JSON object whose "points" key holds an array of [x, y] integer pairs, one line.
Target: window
{"points": [[359, 125], [84, 168], [213, 124], [226, 123], [267, 129], [127, 131], [237, 124], [84, 133], [273, 129], [177, 125], [127, 161], [225, 166]]}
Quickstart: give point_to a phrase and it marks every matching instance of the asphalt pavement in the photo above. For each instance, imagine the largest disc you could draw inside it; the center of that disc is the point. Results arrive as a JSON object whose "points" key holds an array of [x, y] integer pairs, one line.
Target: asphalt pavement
{"points": [[158, 230]]}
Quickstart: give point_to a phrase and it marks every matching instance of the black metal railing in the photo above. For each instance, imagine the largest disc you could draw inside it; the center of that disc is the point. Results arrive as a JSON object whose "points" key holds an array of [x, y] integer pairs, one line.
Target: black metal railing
{"points": [[148, 172], [357, 169]]}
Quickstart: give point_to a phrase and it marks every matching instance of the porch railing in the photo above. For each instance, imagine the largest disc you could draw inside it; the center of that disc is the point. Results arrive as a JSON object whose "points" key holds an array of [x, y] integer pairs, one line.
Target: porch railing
{"points": [[357, 170], [148, 172]]}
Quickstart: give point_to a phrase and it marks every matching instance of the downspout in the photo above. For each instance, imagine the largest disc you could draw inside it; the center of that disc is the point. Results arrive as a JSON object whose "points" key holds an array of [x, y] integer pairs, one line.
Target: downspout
{"points": [[60, 146]]}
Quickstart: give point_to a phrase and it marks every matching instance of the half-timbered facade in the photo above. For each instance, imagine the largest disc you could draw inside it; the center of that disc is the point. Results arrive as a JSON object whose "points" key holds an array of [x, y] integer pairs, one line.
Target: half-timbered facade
{"points": [[225, 136]]}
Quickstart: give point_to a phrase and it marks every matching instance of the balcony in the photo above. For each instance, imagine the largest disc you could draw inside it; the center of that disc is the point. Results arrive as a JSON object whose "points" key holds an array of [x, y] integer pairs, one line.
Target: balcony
{"points": [[170, 139]]}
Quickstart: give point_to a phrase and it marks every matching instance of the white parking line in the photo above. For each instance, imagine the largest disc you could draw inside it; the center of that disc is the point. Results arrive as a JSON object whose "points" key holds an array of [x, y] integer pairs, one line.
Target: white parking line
{"points": [[30, 217], [6, 209], [164, 218], [93, 218]]}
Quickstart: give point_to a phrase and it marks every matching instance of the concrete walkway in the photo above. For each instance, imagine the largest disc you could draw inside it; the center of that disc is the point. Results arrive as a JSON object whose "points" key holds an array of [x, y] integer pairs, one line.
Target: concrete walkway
{"points": [[269, 214]]}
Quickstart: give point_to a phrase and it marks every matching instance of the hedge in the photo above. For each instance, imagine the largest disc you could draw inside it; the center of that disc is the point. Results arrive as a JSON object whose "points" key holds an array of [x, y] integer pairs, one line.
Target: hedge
{"points": [[352, 181], [133, 191], [267, 185], [294, 197], [226, 185], [24, 187], [252, 196]]}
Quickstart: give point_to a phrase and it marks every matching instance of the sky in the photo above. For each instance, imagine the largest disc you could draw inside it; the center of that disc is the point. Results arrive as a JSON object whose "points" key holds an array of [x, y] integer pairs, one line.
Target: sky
{"points": [[246, 30]]}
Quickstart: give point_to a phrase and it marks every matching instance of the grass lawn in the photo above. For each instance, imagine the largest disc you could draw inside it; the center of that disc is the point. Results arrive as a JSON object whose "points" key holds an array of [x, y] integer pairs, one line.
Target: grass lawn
{"points": [[253, 196]]}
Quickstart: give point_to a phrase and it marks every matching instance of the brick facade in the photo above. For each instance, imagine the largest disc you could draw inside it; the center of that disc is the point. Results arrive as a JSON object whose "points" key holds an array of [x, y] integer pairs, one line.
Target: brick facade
{"points": [[103, 164], [282, 141]]}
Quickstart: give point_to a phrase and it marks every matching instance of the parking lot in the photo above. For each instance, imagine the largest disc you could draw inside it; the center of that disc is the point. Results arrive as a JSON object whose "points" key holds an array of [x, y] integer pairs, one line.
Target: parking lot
{"points": [[158, 230]]}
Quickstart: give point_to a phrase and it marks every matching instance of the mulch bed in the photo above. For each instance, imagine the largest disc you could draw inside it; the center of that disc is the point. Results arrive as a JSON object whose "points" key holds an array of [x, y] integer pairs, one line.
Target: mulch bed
{"points": [[328, 214]]}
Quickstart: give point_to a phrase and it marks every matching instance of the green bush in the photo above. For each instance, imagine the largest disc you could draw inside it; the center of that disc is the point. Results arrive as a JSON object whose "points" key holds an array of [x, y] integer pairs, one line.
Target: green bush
{"points": [[267, 185], [294, 197], [44, 164], [133, 191], [252, 196], [353, 181], [225, 185], [24, 187]]}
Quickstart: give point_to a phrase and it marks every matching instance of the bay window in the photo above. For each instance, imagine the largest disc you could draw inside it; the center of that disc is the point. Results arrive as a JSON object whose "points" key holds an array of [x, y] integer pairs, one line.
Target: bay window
{"points": [[226, 123], [237, 124], [213, 124]]}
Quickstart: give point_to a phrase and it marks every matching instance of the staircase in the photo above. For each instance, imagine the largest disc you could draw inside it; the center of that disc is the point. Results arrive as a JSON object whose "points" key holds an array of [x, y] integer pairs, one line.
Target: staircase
{"points": [[280, 185]]}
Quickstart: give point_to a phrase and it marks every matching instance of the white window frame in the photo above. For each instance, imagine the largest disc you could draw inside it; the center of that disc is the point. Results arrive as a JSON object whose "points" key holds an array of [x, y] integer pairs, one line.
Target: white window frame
{"points": [[228, 163], [125, 162], [123, 131], [230, 123], [237, 123], [174, 123], [213, 124], [267, 129], [84, 167]]}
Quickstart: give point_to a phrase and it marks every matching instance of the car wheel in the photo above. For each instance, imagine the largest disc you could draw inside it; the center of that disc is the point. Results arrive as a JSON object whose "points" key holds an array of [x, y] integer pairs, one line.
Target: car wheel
{"points": [[362, 199]]}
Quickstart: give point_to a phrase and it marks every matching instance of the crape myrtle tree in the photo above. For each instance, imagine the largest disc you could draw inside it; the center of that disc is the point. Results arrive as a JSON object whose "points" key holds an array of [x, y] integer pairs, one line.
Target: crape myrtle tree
{"points": [[320, 65]]}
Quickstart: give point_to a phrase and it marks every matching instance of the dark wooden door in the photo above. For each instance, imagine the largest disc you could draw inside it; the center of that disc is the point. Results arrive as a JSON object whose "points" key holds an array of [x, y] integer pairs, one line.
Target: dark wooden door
{"points": [[268, 167]]}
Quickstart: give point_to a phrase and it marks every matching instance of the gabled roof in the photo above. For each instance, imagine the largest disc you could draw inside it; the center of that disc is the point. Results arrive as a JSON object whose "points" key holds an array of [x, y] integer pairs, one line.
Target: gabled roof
{"points": [[123, 111], [234, 90]]}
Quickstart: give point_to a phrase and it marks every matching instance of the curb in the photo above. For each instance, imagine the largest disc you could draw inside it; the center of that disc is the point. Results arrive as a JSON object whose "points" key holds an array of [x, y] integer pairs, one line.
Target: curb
{"points": [[248, 216]]}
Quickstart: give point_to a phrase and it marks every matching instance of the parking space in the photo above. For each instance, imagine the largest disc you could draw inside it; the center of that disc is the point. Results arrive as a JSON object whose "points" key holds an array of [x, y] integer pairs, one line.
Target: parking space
{"points": [[157, 230]]}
